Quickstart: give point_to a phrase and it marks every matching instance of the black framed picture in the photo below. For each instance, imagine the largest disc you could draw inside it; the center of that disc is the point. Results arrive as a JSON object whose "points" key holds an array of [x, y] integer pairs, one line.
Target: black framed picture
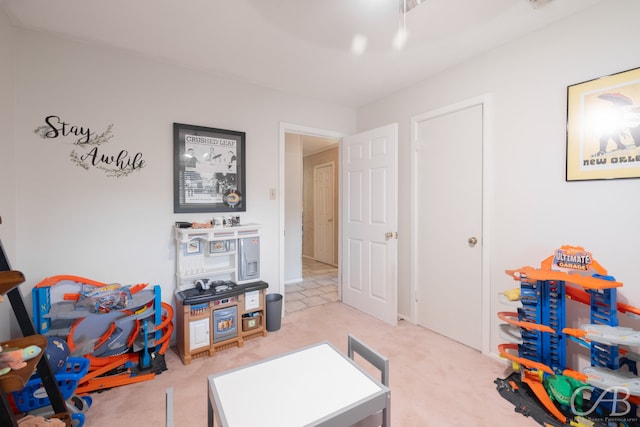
{"points": [[603, 127], [208, 169]]}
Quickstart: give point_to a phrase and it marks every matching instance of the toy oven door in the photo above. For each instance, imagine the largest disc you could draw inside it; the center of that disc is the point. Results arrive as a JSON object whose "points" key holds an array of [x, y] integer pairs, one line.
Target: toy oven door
{"points": [[225, 323]]}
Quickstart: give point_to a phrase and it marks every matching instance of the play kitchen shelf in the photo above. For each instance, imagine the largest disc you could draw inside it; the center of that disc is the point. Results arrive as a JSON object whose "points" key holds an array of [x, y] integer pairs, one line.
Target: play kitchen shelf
{"points": [[218, 253], [224, 321]]}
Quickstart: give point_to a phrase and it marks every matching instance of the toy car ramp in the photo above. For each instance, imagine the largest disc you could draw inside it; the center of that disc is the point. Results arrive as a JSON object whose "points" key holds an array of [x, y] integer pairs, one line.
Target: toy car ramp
{"points": [[122, 331], [504, 350], [587, 282], [538, 389], [98, 379], [74, 310], [109, 334], [524, 400], [89, 333], [512, 319]]}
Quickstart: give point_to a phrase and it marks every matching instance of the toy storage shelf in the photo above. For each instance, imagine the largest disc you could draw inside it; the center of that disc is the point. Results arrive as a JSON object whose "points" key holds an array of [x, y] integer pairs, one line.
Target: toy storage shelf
{"points": [[9, 286], [10, 280], [255, 326]]}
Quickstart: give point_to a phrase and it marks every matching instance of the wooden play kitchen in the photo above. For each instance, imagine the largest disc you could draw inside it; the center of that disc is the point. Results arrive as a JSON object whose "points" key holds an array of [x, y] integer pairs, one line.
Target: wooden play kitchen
{"points": [[220, 299]]}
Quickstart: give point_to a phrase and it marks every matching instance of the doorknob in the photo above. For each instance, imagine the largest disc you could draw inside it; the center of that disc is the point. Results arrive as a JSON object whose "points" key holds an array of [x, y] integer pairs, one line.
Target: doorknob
{"points": [[388, 235], [472, 241]]}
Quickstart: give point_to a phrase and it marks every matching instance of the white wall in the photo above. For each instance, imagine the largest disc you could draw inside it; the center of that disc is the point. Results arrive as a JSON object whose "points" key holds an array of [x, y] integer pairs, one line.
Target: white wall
{"points": [[293, 208], [7, 169], [534, 210], [75, 221], [61, 219]]}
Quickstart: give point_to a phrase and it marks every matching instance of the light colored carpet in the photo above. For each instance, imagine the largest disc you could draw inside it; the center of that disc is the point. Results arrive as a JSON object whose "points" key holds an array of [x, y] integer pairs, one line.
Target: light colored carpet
{"points": [[434, 381]]}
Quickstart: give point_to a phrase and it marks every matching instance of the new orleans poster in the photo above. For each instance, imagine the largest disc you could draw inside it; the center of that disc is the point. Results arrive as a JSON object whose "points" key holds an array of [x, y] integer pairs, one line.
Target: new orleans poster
{"points": [[603, 128]]}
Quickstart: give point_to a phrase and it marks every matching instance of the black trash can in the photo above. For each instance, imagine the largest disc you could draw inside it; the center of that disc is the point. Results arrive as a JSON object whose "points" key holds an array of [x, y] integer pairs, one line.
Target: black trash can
{"points": [[274, 312]]}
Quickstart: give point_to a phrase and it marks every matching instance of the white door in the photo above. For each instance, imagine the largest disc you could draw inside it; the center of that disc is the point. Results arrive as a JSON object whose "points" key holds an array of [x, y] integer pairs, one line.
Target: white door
{"points": [[323, 190], [369, 220], [448, 223]]}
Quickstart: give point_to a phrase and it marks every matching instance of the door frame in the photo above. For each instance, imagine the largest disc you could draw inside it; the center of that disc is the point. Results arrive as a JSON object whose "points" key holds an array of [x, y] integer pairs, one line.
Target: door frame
{"points": [[315, 211], [311, 131], [486, 101]]}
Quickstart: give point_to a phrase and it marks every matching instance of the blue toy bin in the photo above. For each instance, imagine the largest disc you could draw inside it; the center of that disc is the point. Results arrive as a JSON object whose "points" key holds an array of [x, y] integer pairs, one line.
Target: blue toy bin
{"points": [[34, 395]]}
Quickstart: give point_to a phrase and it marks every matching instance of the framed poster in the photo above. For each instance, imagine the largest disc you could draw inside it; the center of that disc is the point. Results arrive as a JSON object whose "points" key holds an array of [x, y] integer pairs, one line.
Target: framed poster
{"points": [[208, 169], [603, 128]]}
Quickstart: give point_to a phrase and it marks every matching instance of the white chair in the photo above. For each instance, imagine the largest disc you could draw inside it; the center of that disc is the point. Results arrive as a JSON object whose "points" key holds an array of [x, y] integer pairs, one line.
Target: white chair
{"points": [[379, 361]]}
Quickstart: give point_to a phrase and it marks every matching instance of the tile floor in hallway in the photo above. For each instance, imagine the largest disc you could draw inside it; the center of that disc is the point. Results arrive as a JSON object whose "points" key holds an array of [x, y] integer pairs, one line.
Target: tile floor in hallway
{"points": [[319, 286]]}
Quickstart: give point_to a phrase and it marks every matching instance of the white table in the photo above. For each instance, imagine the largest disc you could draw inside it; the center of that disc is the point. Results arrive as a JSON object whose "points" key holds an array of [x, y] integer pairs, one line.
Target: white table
{"points": [[313, 386]]}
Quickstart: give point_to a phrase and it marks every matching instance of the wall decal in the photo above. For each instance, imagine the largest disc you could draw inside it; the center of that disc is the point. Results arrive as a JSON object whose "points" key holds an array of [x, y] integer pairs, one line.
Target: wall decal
{"points": [[89, 151]]}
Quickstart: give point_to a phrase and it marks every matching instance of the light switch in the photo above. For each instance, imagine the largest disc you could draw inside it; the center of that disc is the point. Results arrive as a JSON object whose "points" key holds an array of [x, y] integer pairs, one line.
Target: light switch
{"points": [[272, 194]]}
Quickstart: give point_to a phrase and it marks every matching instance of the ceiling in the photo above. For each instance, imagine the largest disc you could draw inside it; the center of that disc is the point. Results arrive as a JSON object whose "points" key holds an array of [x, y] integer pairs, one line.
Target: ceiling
{"points": [[315, 144], [301, 47]]}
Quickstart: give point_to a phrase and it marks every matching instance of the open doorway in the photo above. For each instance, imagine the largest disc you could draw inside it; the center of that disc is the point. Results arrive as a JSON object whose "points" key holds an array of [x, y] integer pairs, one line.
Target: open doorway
{"points": [[319, 286], [310, 220]]}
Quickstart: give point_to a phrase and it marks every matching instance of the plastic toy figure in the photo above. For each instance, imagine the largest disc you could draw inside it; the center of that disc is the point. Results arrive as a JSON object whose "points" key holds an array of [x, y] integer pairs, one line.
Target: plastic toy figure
{"points": [[16, 358]]}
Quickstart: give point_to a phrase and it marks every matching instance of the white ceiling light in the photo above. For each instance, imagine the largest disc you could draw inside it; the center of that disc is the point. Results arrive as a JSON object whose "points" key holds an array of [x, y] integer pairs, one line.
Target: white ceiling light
{"points": [[400, 39], [358, 44]]}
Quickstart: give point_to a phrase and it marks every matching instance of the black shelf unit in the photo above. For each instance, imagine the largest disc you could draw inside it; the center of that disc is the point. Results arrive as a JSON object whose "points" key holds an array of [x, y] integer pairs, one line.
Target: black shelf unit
{"points": [[9, 286]]}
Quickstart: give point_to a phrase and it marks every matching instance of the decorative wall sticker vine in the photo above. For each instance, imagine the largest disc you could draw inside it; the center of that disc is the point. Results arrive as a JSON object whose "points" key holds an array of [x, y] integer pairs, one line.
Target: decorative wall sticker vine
{"points": [[117, 166]]}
